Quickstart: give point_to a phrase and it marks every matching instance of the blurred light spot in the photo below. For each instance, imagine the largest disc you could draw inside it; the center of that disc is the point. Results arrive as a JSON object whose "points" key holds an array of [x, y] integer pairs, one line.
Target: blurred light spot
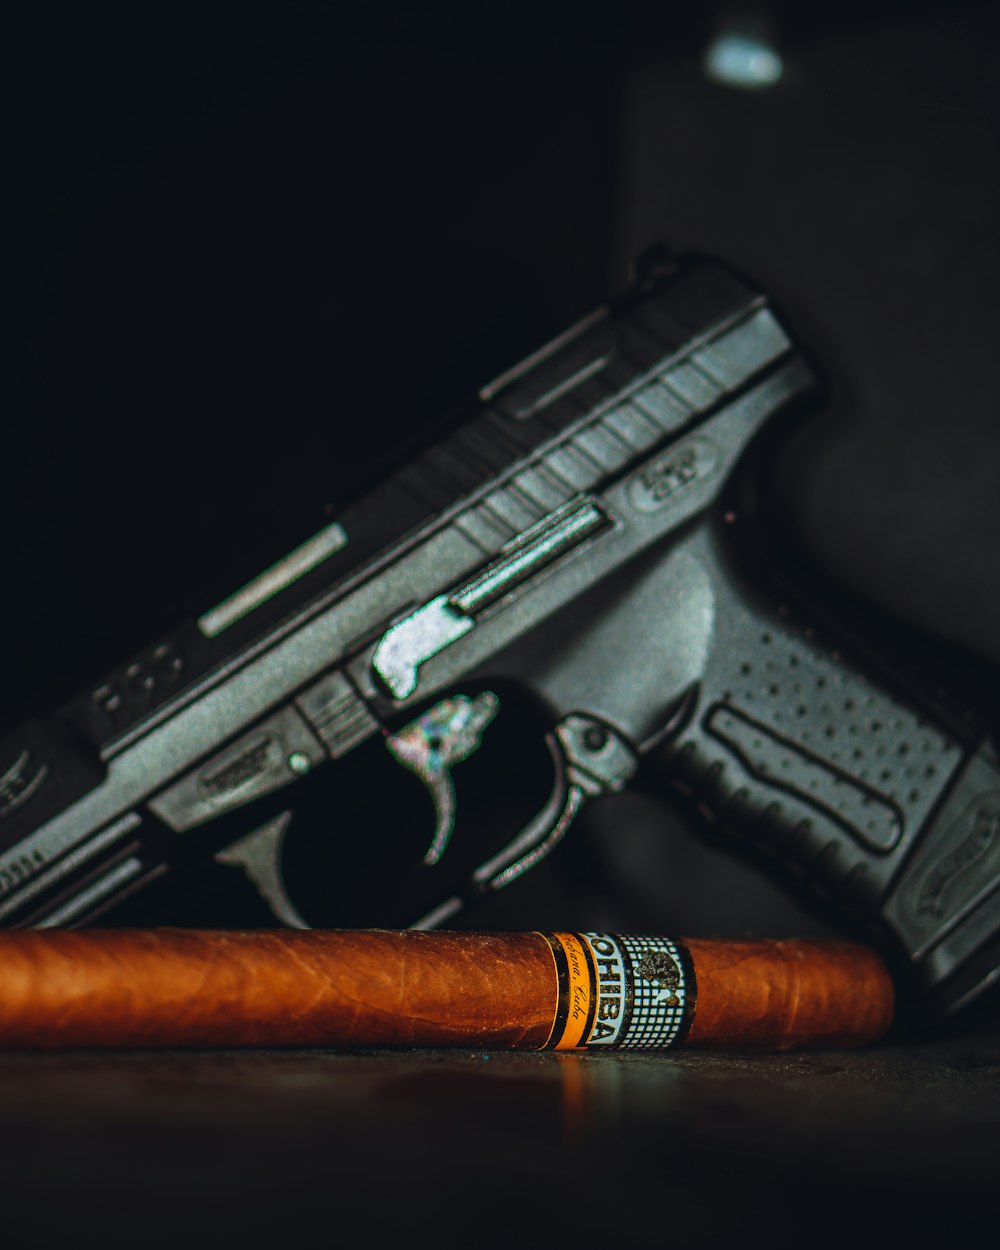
{"points": [[742, 61]]}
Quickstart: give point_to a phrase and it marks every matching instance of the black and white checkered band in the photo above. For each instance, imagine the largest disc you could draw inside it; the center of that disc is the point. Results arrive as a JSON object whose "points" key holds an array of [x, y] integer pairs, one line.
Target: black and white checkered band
{"points": [[645, 991]]}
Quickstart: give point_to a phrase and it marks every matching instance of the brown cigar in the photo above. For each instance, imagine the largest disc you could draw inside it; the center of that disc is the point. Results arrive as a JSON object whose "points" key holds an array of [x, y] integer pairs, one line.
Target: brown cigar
{"points": [[366, 988], [374, 988]]}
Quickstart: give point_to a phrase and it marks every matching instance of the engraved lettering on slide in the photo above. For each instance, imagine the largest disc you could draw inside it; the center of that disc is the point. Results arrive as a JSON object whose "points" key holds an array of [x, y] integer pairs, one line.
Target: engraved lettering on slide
{"points": [[18, 869], [20, 782], [659, 483], [253, 759]]}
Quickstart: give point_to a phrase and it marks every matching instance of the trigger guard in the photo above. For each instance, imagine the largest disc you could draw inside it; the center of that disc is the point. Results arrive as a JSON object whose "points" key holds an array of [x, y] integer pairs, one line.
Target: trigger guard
{"points": [[590, 758], [539, 837]]}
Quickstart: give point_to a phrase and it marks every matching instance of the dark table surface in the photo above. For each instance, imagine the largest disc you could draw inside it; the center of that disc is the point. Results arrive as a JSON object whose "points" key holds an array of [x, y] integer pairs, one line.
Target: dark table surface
{"points": [[886, 1146]]}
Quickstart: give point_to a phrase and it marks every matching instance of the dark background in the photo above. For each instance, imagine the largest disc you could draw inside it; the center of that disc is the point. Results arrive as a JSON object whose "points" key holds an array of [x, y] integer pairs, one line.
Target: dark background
{"points": [[251, 254], [247, 256]]}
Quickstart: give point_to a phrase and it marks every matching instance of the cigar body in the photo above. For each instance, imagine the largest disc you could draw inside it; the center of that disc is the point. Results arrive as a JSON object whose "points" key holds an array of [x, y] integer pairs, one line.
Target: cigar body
{"points": [[374, 988]]}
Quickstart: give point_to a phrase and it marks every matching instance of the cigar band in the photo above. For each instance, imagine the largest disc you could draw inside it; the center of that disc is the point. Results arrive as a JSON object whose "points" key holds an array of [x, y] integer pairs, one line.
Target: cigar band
{"points": [[620, 992]]}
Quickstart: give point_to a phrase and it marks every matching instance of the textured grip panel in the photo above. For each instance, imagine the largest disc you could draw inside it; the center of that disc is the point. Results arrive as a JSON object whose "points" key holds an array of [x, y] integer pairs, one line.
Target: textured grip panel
{"points": [[801, 746], [775, 758]]}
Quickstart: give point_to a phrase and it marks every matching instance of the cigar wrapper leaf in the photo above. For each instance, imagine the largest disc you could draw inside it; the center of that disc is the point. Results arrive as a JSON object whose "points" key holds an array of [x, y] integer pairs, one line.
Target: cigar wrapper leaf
{"points": [[379, 988]]}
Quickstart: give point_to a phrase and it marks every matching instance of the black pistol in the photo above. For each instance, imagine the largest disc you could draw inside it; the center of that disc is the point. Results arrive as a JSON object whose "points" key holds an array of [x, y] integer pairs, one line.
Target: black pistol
{"points": [[583, 550]]}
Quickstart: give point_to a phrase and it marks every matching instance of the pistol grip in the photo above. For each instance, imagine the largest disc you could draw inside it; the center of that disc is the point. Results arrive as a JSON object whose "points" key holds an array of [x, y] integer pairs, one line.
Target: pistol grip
{"points": [[799, 746]]}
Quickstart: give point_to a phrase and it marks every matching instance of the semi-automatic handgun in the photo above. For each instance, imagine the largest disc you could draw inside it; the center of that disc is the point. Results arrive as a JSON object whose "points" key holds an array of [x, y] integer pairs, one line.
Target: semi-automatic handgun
{"points": [[584, 553]]}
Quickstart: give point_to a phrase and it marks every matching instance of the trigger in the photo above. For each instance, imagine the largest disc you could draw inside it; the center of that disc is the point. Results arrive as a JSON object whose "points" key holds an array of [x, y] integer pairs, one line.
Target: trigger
{"points": [[442, 790], [258, 854], [433, 744]]}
